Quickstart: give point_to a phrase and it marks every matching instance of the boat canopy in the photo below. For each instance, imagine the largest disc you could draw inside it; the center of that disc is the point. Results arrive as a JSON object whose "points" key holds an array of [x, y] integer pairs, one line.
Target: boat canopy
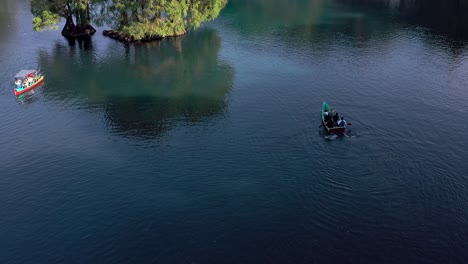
{"points": [[325, 107], [24, 73]]}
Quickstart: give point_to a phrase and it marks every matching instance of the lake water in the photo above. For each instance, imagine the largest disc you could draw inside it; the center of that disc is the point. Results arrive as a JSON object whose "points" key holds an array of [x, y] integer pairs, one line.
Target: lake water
{"points": [[207, 148]]}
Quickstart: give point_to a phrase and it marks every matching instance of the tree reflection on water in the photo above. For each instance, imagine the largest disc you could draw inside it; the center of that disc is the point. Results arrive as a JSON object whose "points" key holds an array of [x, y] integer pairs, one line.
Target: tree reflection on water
{"points": [[144, 89]]}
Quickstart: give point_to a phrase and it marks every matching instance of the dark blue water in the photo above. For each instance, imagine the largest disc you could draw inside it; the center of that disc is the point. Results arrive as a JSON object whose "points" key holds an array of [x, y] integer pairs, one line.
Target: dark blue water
{"points": [[207, 148]]}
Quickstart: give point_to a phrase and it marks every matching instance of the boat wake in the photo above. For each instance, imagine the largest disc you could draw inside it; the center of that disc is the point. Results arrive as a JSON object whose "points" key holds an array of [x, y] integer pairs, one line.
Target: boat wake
{"points": [[336, 136], [331, 137]]}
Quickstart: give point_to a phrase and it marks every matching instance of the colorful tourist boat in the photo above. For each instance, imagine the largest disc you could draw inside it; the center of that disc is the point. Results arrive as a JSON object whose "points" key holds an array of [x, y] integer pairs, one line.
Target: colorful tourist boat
{"points": [[26, 80], [330, 126]]}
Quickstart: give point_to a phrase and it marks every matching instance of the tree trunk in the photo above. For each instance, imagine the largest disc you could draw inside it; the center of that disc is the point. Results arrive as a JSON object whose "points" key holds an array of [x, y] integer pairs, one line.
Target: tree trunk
{"points": [[77, 18], [82, 28], [88, 19], [69, 28]]}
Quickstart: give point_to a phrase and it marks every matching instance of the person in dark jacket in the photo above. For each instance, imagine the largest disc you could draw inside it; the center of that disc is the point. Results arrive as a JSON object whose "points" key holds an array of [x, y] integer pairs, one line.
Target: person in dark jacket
{"points": [[335, 118]]}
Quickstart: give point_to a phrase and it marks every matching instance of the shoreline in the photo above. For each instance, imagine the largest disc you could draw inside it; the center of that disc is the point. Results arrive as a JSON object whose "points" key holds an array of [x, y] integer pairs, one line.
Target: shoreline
{"points": [[130, 39]]}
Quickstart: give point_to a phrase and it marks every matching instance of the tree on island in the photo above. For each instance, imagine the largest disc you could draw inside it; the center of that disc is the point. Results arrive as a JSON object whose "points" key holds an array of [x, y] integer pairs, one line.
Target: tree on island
{"points": [[48, 13], [132, 20], [146, 20]]}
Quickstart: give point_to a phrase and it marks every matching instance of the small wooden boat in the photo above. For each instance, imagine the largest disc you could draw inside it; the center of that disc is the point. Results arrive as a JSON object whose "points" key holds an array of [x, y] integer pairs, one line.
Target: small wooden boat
{"points": [[22, 81], [332, 127]]}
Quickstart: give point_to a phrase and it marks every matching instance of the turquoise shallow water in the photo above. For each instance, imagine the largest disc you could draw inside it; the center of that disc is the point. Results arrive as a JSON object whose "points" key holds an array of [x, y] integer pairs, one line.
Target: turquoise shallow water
{"points": [[206, 148]]}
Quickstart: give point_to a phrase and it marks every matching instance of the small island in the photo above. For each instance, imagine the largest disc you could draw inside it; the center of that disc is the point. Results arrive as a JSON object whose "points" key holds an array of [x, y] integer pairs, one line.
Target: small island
{"points": [[130, 21]]}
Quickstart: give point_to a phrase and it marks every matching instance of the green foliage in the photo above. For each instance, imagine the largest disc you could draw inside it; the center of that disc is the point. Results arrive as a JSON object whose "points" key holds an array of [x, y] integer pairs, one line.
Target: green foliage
{"points": [[48, 13], [53, 6], [47, 20], [136, 18], [205, 10], [151, 18]]}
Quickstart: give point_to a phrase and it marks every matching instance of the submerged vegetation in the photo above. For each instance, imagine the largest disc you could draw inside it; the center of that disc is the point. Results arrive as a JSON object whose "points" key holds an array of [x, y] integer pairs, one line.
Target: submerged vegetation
{"points": [[132, 20]]}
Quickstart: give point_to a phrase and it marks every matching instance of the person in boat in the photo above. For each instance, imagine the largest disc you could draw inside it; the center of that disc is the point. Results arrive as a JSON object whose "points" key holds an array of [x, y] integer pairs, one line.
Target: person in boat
{"points": [[18, 83], [25, 82], [342, 122], [335, 118], [30, 78], [329, 124], [329, 115]]}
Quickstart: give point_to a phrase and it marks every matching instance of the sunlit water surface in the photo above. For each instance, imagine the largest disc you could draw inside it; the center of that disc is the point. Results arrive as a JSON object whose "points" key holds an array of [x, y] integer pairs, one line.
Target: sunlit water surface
{"points": [[207, 148]]}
